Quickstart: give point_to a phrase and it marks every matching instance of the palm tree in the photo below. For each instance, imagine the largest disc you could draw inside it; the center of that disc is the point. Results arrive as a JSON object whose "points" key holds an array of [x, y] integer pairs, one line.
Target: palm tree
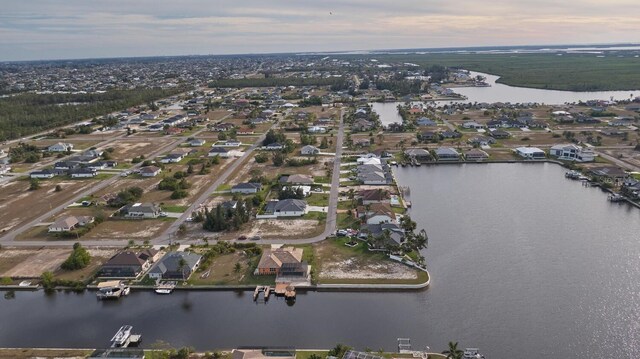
{"points": [[453, 352], [182, 264]]}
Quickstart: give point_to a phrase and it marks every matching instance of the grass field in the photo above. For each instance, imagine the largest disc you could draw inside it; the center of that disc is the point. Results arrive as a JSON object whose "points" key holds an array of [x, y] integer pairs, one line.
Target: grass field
{"points": [[574, 72]]}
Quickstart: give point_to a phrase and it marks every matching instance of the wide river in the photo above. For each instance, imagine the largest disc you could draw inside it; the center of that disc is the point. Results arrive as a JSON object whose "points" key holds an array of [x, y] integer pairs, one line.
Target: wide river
{"points": [[525, 264], [504, 93]]}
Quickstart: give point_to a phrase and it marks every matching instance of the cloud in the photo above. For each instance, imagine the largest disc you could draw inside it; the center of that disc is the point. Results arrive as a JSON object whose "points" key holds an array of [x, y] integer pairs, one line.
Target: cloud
{"points": [[38, 29]]}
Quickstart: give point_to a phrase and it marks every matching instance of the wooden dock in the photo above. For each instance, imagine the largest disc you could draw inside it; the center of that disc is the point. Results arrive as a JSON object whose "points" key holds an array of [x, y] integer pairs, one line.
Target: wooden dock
{"points": [[262, 289]]}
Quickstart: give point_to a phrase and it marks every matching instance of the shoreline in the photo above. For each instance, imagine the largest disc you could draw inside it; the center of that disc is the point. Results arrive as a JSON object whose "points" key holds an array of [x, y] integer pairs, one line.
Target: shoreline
{"points": [[346, 287]]}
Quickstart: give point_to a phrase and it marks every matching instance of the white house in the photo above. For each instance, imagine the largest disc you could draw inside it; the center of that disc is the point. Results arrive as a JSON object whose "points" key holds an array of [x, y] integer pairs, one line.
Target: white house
{"points": [[60, 147], [150, 171], [172, 158], [472, 125], [84, 173], [219, 152], [571, 152], [530, 153], [309, 150], [196, 142], [68, 223], [317, 129]]}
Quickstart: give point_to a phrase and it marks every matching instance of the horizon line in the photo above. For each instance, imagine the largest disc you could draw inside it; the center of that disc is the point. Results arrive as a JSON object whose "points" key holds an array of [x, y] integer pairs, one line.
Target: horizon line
{"points": [[329, 52]]}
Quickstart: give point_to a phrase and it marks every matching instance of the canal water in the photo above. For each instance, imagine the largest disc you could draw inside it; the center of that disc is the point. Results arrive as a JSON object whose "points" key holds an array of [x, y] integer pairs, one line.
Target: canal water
{"points": [[524, 263]]}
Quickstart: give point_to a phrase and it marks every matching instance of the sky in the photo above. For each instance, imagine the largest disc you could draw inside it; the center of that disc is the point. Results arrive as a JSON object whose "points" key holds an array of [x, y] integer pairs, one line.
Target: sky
{"points": [[65, 29]]}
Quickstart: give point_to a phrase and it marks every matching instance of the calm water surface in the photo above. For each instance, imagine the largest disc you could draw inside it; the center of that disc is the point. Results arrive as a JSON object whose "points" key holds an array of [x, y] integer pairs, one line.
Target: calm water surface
{"points": [[525, 264]]}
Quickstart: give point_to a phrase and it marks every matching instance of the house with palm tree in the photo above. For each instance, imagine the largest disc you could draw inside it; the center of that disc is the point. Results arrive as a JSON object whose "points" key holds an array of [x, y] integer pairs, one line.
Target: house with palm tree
{"points": [[176, 265]]}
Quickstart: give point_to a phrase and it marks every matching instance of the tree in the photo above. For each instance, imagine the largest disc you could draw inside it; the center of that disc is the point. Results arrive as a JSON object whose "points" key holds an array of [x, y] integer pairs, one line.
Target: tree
{"points": [[58, 188], [34, 184], [237, 268], [278, 159], [78, 259], [453, 352], [182, 264], [47, 280], [182, 229], [339, 350]]}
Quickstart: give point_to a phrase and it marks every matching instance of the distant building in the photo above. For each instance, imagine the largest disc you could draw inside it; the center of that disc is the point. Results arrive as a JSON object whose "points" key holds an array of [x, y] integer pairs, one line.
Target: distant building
{"points": [[140, 211], [246, 188], [571, 152], [60, 147]]}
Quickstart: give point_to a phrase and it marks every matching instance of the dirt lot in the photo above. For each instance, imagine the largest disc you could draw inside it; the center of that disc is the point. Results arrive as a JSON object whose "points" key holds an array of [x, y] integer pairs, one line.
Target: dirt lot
{"points": [[19, 205], [127, 149], [31, 263], [278, 229], [128, 229], [339, 262]]}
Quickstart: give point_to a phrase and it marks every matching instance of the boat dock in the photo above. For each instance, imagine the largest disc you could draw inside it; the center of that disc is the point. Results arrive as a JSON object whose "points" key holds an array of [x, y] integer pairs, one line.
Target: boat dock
{"points": [[165, 288], [112, 290], [615, 197], [262, 289], [124, 338]]}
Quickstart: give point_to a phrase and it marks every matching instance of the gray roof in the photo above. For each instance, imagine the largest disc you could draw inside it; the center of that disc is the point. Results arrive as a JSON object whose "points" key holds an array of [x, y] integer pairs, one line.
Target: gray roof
{"points": [[446, 151], [171, 262]]}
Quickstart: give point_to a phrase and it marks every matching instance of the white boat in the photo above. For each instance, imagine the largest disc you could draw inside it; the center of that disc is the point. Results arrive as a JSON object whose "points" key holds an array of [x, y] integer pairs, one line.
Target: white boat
{"points": [[112, 290], [472, 353], [165, 288]]}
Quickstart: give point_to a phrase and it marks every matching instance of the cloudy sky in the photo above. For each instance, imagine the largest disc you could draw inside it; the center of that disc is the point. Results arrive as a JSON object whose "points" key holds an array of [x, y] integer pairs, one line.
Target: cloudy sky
{"points": [[58, 29]]}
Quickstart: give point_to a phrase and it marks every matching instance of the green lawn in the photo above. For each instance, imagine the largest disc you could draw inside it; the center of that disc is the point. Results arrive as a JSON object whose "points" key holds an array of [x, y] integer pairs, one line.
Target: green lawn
{"points": [[321, 179], [174, 209], [320, 216], [347, 221], [306, 354], [318, 199]]}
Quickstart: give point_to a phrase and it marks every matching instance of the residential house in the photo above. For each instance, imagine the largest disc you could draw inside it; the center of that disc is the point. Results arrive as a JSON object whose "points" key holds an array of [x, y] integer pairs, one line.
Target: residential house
{"points": [[383, 233], [140, 211], [571, 152], [482, 141], [172, 158], [428, 136], [472, 125], [300, 179], [247, 188], [530, 153], [286, 208], [69, 223], [609, 174], [273, 146], [175, 265], [447, 154], [129, 264], [84, 172], [46, 173], [450, 134], [282, 262], [317, 129], [219, 152], [475, 154], [419, 154], [377, 213], [150, 171], [60, 147], [362, 125], [423, 121], [370, 196], [309, 150], [499, 134], [196, 142]]}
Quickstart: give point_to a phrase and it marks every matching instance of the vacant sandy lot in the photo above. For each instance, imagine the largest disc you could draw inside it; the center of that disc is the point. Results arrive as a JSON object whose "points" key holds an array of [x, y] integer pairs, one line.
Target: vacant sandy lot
{"points": [[18, 204], [352, 269]]}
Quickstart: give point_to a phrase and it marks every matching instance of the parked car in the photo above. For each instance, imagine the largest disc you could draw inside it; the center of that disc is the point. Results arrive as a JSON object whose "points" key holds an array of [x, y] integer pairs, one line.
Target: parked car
{"points": [[341, 233], [256, 238], [242, 238], [162, 214]]}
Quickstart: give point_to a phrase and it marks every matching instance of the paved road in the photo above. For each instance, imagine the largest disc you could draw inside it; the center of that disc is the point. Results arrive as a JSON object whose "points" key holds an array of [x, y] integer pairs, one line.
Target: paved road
{"points": [[170, 233], [619, 162]]}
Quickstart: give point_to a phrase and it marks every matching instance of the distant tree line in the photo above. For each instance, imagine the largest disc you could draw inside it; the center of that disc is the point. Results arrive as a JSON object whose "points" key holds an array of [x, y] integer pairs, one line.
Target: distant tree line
{"points": [[28, 113]]}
